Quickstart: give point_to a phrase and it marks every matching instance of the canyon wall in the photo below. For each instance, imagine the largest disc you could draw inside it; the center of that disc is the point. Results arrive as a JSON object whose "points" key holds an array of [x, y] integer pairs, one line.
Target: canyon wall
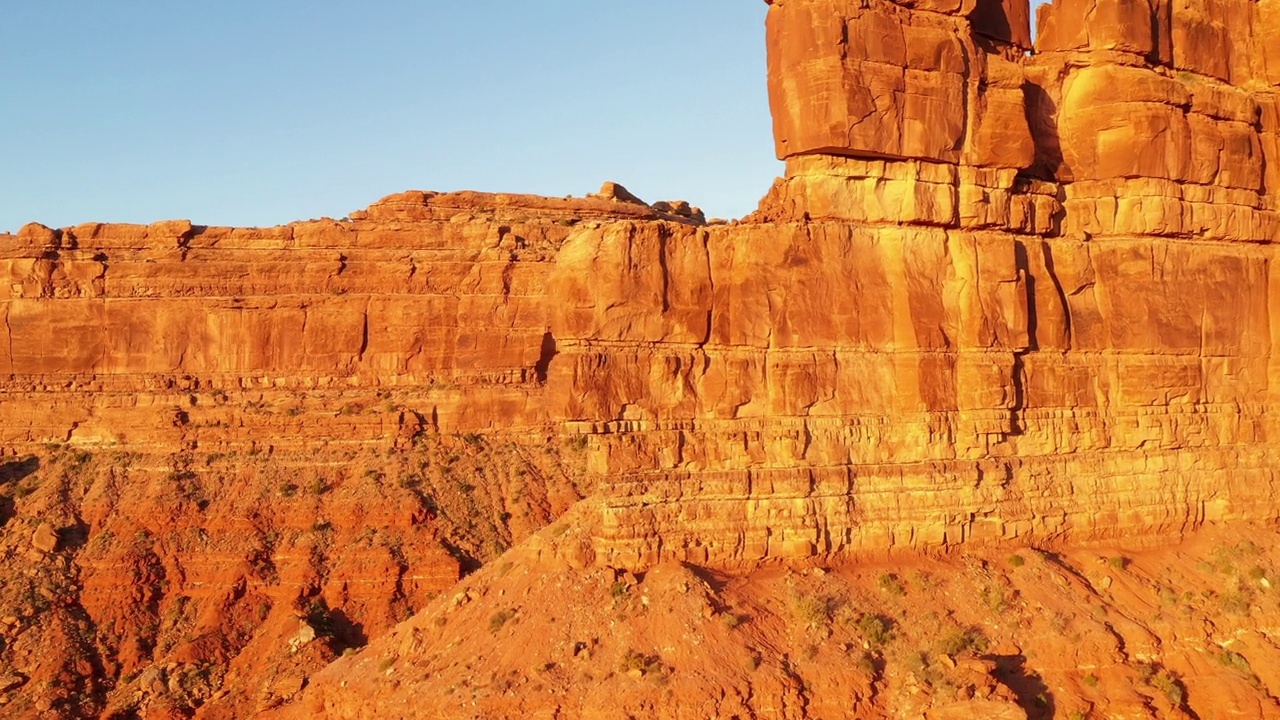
{"points": [[221, 444], [998, 296], [1006, 293]]}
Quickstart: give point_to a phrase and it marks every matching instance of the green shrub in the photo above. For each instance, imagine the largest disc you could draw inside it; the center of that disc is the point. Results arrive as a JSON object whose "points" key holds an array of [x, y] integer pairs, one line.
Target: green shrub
{"points": [[645, 664], [813, 610], [1236, 602], [892, 584], [1164, 681], [1016, 560], [916, 663], [619, 590], [1240, 664], [1235, 661], [1170, 686], [961, 640], [499, 619], [920, 665], [1059, 622], [876, 630], [997, 598]]}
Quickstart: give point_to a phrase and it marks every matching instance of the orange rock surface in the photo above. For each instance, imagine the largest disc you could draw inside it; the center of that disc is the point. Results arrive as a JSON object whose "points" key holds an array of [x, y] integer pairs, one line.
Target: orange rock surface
{"points": [[1097, 633], [998, 296], [1007, 295]]}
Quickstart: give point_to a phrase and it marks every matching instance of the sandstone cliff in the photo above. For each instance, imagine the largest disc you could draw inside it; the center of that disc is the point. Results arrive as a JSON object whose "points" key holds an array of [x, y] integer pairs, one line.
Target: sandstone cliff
{"points": [[997, 297], [1008, 294]]}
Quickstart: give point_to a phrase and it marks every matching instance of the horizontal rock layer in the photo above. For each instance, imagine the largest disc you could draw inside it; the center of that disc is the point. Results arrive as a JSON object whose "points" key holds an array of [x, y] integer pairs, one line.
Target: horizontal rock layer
{"points": [[997, 297], [778, 389]]}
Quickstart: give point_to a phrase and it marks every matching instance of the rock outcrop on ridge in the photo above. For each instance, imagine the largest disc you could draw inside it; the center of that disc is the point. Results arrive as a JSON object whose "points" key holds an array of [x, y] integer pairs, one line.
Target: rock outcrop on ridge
{"points": [[1007, 295]]}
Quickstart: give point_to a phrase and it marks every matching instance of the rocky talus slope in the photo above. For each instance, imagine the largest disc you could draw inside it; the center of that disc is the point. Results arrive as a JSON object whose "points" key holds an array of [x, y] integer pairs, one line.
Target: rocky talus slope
{"points": [[1179, 633], [972, 418]]}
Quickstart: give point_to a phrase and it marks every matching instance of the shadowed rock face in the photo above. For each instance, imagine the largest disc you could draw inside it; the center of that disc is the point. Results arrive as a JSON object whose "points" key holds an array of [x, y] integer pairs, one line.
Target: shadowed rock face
{"points": [[1003, 296]]}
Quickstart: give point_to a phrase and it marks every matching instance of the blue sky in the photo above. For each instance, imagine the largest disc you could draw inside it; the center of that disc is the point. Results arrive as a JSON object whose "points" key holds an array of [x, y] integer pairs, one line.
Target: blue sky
{"points": [[260, 112]]}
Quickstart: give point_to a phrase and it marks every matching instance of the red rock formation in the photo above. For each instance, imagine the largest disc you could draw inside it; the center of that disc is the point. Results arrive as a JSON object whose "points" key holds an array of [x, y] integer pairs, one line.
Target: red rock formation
{"points": [[939, 82], [939, 314], [251, 437], [999, 299]]}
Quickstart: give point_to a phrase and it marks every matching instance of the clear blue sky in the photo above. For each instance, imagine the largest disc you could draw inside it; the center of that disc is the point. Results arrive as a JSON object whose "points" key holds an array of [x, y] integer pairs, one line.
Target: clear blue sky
{"points": [[257, 112]]}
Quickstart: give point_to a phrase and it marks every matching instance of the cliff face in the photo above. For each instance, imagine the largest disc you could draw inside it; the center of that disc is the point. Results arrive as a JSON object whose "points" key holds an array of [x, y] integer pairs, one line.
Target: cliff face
{"points": [[999, 299], [235, 453]]}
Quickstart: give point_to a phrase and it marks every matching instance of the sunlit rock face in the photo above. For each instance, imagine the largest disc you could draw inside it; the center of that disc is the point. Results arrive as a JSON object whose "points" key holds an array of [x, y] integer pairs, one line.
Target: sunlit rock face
{"points": [[1002, 294], [1005, 294]]}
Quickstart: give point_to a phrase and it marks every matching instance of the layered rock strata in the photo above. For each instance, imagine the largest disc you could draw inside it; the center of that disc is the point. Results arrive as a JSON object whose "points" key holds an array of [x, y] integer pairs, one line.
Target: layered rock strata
{"points": [[1006, 293], [999, 296], [234, 453]]}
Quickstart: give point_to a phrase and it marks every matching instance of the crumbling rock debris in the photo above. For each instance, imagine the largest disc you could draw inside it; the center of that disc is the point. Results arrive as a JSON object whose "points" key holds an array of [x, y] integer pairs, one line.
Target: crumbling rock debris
{"points": [[45, 538], [11, 681]]}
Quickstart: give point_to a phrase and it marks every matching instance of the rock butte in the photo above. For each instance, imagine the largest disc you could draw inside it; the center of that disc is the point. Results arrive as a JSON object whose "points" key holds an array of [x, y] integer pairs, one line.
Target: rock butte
{"points": [[1001, 299]]}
